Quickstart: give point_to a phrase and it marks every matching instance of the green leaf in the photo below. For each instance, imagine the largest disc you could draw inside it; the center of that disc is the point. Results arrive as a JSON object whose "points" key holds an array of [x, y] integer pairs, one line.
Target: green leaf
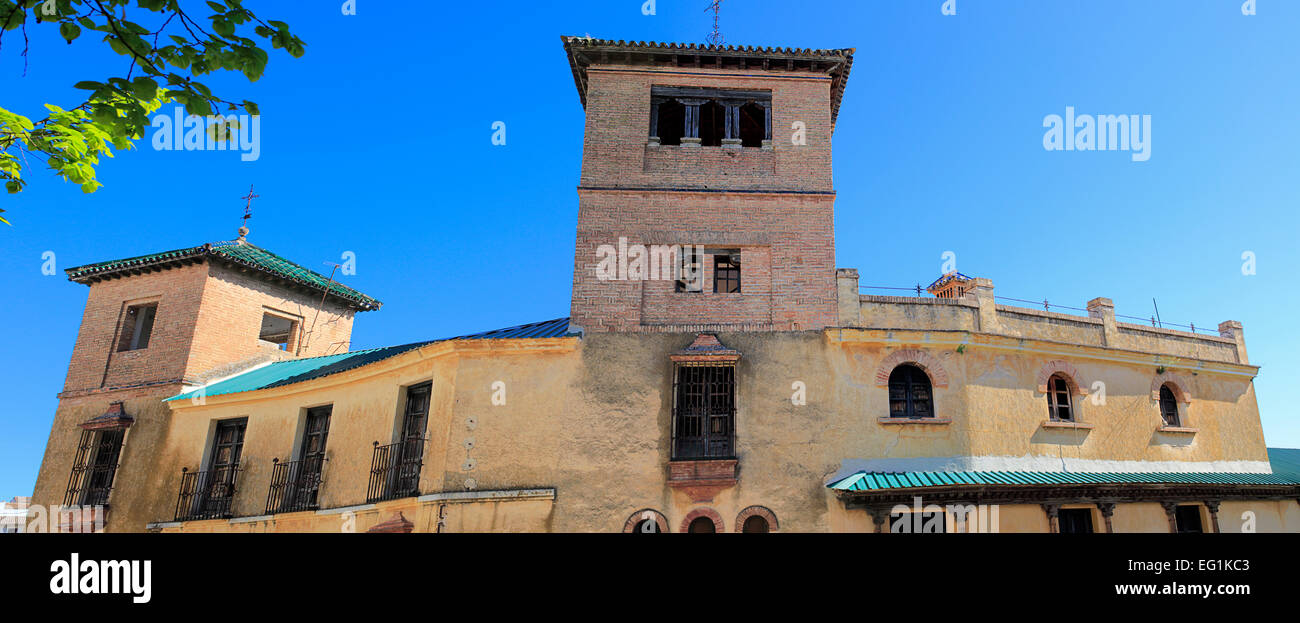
{"points": [[69, 31], [223, 26], [144, 88], [88, 85], [217, 7]]}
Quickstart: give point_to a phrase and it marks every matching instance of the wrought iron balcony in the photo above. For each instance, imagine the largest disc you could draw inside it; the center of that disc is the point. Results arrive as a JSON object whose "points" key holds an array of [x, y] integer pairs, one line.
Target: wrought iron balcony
{"points": [[395, 470], [295, 485], [207, 494]]}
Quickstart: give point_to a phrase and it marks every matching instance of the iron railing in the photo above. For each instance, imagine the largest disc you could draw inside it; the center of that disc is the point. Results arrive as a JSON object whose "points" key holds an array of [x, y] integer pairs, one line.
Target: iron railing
{"points": [[207, 494], [395, 470], [295, 485], [89, 485], [704, 412]]}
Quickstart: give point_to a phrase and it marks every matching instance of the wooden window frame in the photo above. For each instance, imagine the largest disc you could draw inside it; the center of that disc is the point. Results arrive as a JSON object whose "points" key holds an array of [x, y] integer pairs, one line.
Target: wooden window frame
{"points": [[133, 324], [1169, 415], [905, 390], [726, 273], [1058, 389]]}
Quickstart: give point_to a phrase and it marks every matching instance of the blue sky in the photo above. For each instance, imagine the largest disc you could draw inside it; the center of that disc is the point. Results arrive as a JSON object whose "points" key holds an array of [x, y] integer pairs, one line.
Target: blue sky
{"points": [[378, 142]]}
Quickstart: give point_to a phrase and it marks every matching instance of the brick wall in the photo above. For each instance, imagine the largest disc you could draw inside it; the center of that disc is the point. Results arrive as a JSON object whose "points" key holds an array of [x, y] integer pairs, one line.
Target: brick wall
{"points": [[230, 319], [774, 204], [618, 124], [96, 363], [209, 316]]}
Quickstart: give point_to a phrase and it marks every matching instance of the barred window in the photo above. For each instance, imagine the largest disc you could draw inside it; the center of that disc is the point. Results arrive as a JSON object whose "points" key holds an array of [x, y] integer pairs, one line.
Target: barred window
{"points": [[94, 467], [704, 412]]}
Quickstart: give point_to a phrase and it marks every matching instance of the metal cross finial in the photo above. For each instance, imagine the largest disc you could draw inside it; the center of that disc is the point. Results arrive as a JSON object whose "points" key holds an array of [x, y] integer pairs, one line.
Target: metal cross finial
{"points": [[715, 37], [248, 212]]}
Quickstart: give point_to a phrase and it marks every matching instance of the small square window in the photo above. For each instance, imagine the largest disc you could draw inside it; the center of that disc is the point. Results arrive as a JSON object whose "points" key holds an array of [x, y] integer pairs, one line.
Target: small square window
{"points": [[137, 327], [278, 330], [726, 272]]}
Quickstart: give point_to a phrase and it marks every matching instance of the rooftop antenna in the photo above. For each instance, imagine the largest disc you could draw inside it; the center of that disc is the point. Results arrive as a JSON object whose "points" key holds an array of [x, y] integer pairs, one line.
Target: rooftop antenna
{"points": [[715, 37], [248, 212], [1157, 323]]}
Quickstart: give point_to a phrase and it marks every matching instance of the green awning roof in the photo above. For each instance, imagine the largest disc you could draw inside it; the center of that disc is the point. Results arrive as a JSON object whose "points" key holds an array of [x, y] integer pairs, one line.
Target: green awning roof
{"points": [[238, 252], [877, 481]]}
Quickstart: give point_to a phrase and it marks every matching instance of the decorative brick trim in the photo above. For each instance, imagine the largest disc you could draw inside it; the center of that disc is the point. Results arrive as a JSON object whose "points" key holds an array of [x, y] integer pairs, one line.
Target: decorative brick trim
{"points": [[760, 511], [1176, 382], [1065, 369], [919, 358], [703, 511], [637, 517]]}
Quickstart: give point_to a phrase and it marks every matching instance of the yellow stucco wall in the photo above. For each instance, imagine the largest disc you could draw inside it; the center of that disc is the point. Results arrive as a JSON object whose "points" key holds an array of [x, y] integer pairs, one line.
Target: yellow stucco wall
{"points": [[591, 419]]}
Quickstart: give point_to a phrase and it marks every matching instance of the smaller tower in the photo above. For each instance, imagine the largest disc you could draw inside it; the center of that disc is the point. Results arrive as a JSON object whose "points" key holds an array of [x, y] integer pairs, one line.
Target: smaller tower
{"points": [[952, 285]]}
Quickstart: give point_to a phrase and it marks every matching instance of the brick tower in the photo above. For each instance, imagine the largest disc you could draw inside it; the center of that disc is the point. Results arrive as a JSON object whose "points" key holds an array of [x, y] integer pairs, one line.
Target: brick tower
{"points": [[160, 324], [724, 152]]}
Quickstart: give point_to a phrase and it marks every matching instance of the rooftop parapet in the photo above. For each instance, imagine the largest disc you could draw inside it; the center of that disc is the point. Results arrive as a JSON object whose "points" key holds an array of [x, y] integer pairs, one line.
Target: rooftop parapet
{"points": [[978, 310]]}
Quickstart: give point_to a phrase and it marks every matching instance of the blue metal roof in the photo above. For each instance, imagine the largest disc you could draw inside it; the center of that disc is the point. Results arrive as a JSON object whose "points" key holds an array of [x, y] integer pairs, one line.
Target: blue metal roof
{"points": [[283, 373], [876, 481]]}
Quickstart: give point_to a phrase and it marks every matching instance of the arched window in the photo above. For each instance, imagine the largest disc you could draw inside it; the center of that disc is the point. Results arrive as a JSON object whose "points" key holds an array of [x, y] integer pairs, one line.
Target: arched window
{"points": [[1168, 406], [702, 525], [1059, 406], [755, 525], [909, 393]]}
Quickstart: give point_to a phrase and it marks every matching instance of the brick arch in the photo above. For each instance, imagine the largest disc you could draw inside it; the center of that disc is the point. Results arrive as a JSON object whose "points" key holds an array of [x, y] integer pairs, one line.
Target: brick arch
{"points": [[1176, 382], [703, 511], [635, 518], [919, 358], [772, 525], [1064, 368]]}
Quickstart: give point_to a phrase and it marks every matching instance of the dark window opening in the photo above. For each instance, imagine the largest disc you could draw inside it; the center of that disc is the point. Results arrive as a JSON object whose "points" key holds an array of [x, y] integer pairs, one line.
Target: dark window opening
{"points": [[137, 327], [1168, 406], [1188, 518], [726, 272], [713, 123], [671, 123], [1074, 520], [909, 393], [753, 125], [692, 273], [1059, 406], [94, 467], [278, 330], [755, 525], [702, 525], [704, 412]]}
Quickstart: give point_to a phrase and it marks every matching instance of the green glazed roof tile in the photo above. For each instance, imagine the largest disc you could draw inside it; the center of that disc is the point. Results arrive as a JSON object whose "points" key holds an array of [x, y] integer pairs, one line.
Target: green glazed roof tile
{"points": [[1285, 472], [238, 252]]}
